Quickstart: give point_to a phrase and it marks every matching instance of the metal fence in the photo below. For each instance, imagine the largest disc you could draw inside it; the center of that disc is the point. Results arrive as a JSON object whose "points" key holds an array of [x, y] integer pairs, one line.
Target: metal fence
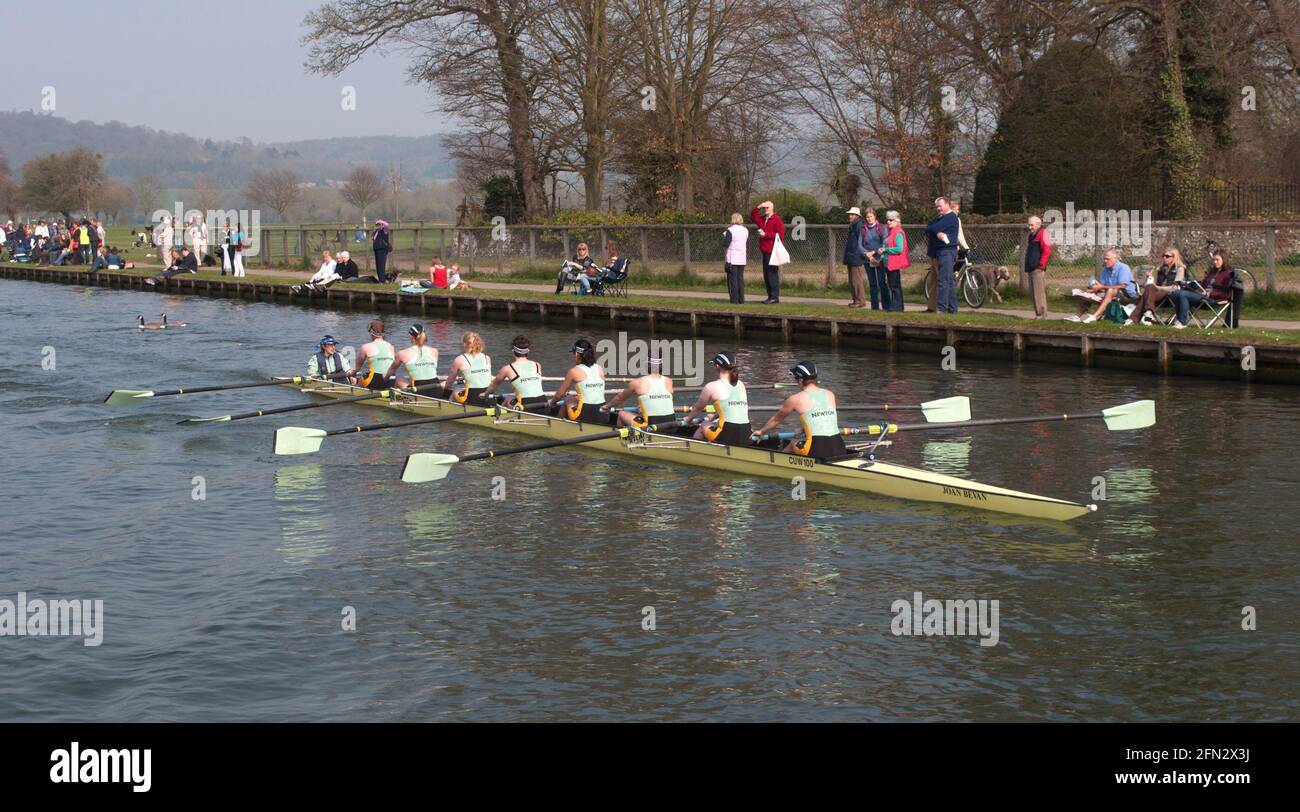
{"points": [[1271, 250], [1209, 201]]}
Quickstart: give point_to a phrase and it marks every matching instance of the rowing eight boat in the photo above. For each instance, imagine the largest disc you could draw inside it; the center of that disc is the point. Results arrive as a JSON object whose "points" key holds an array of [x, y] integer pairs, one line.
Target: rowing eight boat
{"points": [[866, 476]]}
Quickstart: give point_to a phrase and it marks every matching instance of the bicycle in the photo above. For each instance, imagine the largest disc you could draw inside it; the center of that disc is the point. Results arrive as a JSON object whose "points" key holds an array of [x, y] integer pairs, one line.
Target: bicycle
{"points": [[969, 281]]}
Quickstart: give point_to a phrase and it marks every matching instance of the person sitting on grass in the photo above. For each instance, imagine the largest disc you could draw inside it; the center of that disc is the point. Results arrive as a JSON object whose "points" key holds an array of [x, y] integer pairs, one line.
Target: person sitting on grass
{"points": [[101, 259], [454, 280], [347, 270], [115, 259], [323, 278], [182, 262], [437, 275], [1216, 286], [1116, 284], [1171, 276]]}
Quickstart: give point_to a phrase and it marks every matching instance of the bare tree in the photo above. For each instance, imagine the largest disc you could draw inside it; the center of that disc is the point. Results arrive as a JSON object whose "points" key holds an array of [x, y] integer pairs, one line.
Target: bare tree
{"points": [[145, 190], [207, 194], [395, 180], [362, 189], [279, 189], [460, 48]]}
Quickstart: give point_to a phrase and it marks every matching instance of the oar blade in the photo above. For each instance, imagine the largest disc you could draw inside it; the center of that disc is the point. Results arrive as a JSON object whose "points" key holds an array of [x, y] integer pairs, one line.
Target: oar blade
{"points": [[1136, 415], [947, 410], [295, 440], [428, 467], [127, 397], [194, 421]]}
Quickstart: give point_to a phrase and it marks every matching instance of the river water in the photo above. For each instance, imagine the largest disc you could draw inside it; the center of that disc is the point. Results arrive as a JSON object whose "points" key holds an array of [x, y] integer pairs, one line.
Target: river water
{"points": [[232, 606]]}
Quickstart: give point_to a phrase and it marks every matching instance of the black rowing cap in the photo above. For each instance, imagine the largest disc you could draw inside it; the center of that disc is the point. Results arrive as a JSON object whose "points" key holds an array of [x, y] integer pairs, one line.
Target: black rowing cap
{"points": [[725, 360], [415, 329], [804, 370]]}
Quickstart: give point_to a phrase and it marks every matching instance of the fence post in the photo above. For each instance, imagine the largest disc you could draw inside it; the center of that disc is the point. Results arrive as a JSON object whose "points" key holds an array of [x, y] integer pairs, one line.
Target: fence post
{"points": [[417, 249], [1270, 250], [830, 255], [499, 250], [1024, 249], [645, 249], [442, 243], [686, 249], [532, 245], [567, 253], [1098, 257], [302, 246], [604, 242]]}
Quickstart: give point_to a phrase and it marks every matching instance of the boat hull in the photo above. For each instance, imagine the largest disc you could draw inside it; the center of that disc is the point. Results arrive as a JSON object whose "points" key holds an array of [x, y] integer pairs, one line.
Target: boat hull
{"points": [[865, 476]]}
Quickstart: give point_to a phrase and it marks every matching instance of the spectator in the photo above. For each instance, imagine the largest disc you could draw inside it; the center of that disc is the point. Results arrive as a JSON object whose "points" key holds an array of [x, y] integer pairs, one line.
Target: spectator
{"points": [[873, 237], [100, 238], [855, 259], [182, 262], [60, 251], [1217, 285], [83, 243], [581, 265], [382, 244], [453, 279], [101, 260], [165, 238], [770, 226], [895, 253], [115, 259], [437, 275], [1116, 284], [197, 235], [323, 278], [941, 245], [1037, 252], [227, 253], [615, 268], [237, 243], [735, 240], [347, 270], [1171, 276]]}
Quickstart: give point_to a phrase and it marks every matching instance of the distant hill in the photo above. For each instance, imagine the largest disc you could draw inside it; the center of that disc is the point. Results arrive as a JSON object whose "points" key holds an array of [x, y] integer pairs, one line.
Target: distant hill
{"points": [[130, 151]]}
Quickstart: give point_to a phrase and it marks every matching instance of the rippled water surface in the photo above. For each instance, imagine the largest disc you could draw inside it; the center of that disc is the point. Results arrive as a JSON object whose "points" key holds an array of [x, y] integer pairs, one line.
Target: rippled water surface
{"points": [[767, 608]]}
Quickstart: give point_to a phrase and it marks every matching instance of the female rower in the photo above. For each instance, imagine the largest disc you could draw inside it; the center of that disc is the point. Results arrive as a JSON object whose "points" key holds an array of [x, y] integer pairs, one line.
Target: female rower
{"points": [[730, 402], [654, 398], [416, 367], [816, 409], [375, 358], [525, 377], [472, 367], [588, 382]]}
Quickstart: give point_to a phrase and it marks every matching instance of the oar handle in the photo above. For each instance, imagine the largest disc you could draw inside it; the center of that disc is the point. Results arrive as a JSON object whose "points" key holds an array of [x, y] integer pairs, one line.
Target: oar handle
{"points": [[412, 422]]}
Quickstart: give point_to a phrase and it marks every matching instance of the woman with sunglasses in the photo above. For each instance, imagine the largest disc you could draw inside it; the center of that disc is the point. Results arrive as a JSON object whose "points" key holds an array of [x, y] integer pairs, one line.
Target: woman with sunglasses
{"points": [[1171, 276]]}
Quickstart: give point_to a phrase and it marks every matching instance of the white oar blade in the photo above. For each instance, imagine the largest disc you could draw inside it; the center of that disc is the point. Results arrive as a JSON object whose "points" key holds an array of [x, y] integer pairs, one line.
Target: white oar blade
{"points": [[1136, 415], [194, 421], [294, 440], [427, 467], [947, 410], [127, 397]]}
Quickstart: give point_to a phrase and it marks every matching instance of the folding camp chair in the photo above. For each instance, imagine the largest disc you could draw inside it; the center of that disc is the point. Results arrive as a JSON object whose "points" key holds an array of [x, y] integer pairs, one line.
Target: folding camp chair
{"points": [[1209, 313], [612, 280]]}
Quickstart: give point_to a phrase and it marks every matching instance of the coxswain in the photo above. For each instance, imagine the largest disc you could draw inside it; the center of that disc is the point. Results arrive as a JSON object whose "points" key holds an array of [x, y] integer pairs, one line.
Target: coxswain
{"points": [[473, 368], [328, 362], [588, 382], [730, 404], [375, 358], [654, 398], [525, 377], [416, 367], [816, 409]]}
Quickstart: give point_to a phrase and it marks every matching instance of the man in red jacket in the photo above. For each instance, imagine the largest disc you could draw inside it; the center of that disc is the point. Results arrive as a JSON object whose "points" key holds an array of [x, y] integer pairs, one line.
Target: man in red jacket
{"points": [[770, 226]]}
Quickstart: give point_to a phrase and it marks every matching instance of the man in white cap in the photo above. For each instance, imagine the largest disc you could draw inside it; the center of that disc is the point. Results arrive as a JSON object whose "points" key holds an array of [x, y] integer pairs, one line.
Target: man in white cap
{"points": [[855, 258]]}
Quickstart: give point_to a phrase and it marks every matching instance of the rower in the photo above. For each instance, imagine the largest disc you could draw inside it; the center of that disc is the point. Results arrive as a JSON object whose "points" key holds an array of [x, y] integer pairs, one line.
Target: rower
{"points": [[730, 403], [816, 409], [588, 382], [327, 360], [375, 357], [525, 377], [654, 398], [473, 368], [415, 368]]}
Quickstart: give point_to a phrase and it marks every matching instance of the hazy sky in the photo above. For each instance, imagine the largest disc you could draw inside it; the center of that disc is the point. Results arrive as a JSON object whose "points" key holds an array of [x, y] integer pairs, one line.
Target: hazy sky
{"points": [[210, 70]]}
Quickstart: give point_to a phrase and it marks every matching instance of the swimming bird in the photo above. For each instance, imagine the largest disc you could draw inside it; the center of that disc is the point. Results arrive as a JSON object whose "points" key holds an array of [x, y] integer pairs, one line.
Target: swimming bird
{"points": [[152, 325], [167, 323]]}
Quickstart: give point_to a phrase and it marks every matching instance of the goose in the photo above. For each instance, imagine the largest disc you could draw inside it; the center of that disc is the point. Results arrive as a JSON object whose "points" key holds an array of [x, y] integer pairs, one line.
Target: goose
{"points": [[151, 325], [167, 323]]}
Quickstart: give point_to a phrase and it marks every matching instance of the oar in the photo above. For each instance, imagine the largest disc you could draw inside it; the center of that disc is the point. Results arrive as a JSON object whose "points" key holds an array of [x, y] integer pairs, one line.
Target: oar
{"points": [[226, 418], [295, 440], [119, 397], [1136, 415], [945, 410], [428, 467]]}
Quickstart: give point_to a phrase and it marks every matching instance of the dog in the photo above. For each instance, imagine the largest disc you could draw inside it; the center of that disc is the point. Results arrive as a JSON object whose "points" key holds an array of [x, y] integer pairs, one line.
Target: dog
{"points": [[994, 276]]}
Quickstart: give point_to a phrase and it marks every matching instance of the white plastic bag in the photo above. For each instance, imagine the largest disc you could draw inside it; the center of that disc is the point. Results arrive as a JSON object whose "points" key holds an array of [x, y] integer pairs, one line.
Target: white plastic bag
{"points": [[780, 256]]}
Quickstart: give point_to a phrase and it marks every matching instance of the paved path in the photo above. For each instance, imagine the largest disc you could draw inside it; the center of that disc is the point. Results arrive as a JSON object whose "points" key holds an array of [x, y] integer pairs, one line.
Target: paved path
{"points": [[1262, 324]]}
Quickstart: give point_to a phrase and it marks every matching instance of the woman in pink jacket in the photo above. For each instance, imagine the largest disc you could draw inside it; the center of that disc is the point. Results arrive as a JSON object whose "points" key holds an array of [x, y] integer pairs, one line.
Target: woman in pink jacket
{"points": [[895, 252]]}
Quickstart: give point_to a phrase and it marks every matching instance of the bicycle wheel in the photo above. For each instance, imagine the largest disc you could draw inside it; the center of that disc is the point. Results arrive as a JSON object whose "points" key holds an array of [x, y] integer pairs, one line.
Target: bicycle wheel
{"points": [[973, 288], [931, 281], [1248, 283]]}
